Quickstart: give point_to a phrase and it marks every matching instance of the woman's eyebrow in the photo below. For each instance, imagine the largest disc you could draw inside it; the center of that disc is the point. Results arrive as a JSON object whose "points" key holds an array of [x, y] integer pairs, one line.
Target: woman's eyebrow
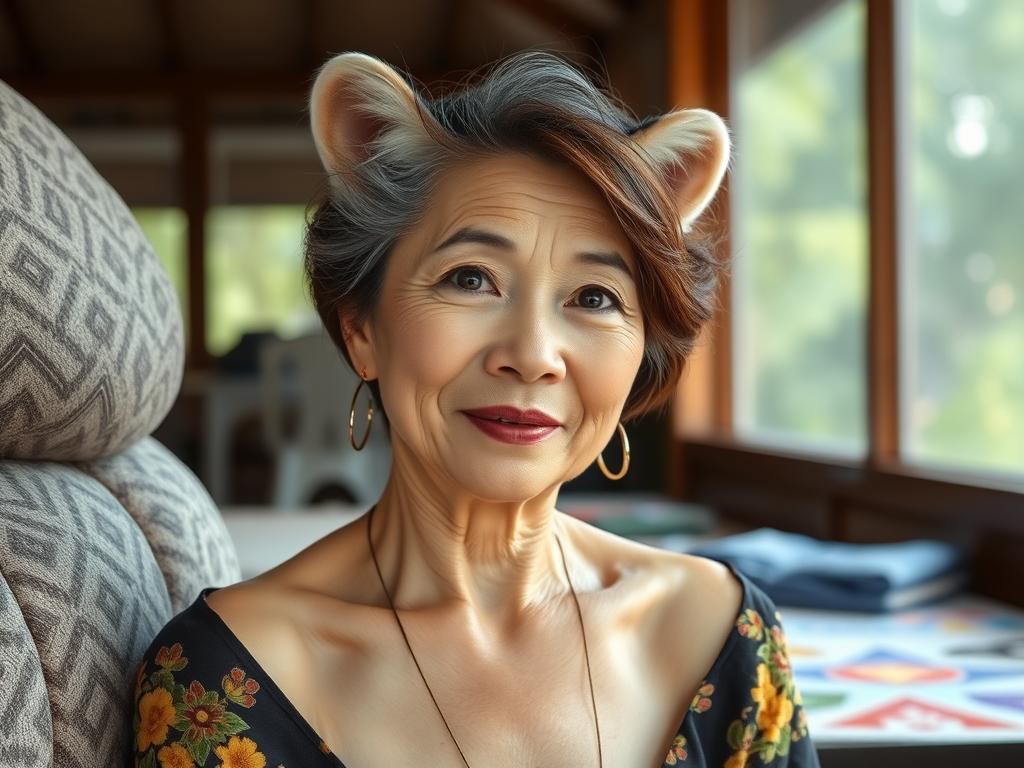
{"points": [[474, 235], [494, 240]]}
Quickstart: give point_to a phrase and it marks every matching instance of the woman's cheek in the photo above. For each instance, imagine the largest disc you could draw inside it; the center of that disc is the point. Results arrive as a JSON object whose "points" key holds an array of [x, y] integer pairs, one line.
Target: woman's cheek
{"points": [[608, 360], [434, 346], [427, 350]]}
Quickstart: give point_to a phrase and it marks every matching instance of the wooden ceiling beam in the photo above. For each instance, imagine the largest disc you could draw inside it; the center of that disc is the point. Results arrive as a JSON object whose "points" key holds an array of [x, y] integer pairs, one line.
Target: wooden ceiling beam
{"points": [[171, 59], [588, 37], [564, 21], [241, 85], [452, 11], [309, 57], [23, 34], [130, 84]]}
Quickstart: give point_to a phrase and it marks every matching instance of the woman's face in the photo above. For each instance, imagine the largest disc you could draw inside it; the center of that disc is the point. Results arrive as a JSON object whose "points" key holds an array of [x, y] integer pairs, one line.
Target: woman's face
{"points": [[511, 312]]}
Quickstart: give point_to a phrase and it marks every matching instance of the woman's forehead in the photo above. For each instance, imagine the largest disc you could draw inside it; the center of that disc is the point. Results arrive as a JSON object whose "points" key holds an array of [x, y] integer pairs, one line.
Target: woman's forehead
{"points": [[514, 192]]}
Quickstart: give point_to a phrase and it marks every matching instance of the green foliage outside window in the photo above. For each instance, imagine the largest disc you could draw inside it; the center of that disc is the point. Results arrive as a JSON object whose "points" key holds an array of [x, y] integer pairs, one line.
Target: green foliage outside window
{"points": [[254, 273], [963, 298], [800, 237], [800, 234]]}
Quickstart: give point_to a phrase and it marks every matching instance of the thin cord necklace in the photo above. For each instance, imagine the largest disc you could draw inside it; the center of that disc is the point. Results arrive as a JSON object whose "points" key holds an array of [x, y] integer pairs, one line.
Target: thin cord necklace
{"points": [[579, 614]]}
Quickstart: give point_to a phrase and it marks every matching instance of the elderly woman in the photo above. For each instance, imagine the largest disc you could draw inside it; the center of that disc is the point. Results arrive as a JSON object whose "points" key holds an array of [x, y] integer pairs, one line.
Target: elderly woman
{"points": [[510, 270]]}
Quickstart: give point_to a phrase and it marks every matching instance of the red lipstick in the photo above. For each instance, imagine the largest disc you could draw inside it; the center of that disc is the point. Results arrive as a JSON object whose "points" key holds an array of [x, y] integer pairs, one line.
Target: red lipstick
{"points": [[513, 425]]}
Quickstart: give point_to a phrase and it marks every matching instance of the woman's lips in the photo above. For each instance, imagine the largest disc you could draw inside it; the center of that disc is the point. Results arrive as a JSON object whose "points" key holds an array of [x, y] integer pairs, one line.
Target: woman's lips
{"points": [[520, 434]]}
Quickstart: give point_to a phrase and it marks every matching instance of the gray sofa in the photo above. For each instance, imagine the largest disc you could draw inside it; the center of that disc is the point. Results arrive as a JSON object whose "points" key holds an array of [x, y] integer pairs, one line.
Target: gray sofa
{"points": [[104, 533]]}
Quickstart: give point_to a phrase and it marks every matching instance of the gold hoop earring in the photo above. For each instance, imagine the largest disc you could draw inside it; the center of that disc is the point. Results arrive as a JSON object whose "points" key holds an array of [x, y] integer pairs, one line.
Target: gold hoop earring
{"points": [[352, 415], [625, 457]]}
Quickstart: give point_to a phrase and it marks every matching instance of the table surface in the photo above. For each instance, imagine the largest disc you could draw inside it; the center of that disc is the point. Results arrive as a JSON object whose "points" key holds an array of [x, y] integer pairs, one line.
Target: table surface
{"points": [[946, 674]]}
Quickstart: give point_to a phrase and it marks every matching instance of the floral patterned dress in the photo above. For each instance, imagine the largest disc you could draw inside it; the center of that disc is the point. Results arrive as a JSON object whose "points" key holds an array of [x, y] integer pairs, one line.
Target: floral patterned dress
{"points": [[201, 699]]}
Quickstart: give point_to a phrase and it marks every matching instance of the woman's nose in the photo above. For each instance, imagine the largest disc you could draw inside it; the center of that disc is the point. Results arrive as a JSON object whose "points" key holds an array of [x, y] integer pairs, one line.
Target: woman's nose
{"points": [[529, 343]]}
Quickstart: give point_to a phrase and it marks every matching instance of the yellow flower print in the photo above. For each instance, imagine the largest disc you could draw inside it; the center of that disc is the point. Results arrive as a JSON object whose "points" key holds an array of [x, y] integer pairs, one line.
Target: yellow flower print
{"points": [[677, 752], [750, 624], [738, 759], [775, 708], [240, 753], [156, 710], [175, 756], [702, 700]]}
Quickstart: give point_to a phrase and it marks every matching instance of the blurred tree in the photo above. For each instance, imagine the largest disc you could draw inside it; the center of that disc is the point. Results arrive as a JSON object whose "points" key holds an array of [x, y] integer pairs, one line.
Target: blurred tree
{"points": [[254, 273], [800, 232], [964, 360]]}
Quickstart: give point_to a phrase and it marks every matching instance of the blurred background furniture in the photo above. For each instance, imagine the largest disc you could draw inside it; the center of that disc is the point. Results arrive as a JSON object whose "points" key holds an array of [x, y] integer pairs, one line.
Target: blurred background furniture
{"points": [[105, 533], [318, 452], [226, 399]]}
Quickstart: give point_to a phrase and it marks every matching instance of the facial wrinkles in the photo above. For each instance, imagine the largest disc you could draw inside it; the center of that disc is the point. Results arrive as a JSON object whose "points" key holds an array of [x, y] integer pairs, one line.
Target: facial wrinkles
{"points": [[440, 338], [546, 222]]}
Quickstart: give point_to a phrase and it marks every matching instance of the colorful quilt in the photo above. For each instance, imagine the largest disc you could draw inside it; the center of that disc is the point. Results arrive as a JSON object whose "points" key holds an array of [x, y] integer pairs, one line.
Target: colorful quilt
{"points": [[947, 673]]}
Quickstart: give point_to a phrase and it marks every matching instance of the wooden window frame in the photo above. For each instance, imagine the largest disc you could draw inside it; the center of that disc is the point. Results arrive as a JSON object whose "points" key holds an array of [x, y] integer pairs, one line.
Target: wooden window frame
{"points": [[881, 498]]}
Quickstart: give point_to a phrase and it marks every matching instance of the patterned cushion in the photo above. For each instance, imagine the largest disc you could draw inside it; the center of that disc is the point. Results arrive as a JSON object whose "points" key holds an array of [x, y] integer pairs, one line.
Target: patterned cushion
{"points": [[91, 346], [104, 533]]}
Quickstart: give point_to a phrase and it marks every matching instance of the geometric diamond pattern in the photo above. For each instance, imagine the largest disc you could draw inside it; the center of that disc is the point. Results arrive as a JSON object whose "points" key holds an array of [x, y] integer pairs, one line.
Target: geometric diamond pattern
{"points": [[104, 533], [26, 730], [182, 527], [91, 344], [95, 558]]}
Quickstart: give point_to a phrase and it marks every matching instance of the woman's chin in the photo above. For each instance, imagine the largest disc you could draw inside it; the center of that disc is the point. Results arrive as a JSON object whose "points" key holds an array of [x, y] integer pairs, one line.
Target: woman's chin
{"points": [[505, 480]]}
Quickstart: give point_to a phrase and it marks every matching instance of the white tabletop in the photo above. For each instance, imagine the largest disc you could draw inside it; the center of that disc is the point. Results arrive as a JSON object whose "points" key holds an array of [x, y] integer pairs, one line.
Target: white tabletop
{"points": [[265, 539]]}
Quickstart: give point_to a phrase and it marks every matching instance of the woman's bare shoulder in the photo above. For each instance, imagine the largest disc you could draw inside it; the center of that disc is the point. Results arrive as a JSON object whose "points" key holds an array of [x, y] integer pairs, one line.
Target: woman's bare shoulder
{"points": [[268, 620], [310, 602], [683, 574], [260, 613], [678, 592], [702, 602]]}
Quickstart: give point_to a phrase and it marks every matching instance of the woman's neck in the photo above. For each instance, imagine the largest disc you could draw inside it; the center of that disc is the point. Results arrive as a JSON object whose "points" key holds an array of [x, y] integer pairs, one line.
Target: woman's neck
{"points": [[443, 549]]}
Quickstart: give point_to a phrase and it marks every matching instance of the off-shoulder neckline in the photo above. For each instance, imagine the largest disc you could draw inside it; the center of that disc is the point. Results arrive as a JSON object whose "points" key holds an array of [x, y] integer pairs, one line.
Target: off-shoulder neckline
{"points": [[268, 683]]}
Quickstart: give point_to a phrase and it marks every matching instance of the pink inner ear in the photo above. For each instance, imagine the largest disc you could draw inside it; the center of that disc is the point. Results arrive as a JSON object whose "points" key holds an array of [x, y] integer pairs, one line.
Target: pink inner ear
{"points": [[356, 128], [684, 189]]}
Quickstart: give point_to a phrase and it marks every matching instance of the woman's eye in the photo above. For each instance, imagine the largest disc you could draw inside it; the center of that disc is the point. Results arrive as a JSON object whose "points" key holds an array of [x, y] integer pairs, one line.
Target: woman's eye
{"points": [[590, 298], [472, 279], [467, 279]]}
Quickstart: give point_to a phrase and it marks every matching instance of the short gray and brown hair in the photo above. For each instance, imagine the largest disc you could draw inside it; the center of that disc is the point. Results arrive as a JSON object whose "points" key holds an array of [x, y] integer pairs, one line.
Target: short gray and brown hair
{"points": [[534, 102]]}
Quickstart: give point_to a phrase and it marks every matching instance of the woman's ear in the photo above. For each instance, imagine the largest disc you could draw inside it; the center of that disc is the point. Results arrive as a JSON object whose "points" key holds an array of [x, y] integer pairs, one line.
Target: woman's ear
{"points": [[691, 149], [358, 340], [361, 106]]}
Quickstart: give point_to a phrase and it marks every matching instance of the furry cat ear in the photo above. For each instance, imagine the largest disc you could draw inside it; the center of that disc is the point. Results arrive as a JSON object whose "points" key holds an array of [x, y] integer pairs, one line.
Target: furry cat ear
{"points": [[361, 106], [691, 149]]}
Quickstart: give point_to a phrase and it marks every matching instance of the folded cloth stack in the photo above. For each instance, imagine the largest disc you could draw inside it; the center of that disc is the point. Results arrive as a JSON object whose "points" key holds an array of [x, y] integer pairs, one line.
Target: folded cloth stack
{"points": [[803, 571]]}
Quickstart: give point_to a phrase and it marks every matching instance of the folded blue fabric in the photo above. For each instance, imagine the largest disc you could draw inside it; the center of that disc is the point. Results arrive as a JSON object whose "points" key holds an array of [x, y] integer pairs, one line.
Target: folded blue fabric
{"points": [[800, 570]]}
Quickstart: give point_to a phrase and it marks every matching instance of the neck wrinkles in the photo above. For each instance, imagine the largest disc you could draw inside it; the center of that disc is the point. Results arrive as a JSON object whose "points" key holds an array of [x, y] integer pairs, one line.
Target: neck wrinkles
{"points": [[437, 549]]}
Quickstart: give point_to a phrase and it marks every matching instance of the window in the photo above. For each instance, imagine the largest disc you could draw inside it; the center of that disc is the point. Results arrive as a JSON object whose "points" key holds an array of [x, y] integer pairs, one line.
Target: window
{"points": [[254, 277], [799, 224], [961, 121]]}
